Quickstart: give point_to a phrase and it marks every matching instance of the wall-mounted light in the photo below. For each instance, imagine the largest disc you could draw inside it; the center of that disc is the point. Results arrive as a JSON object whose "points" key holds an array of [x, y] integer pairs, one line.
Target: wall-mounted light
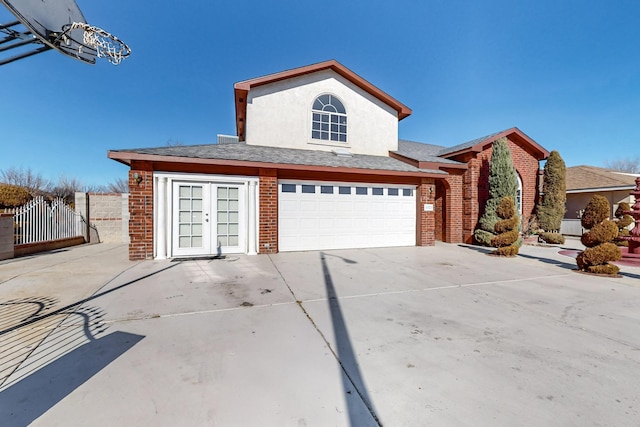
{"points": [[137, 178], [431, 190]]}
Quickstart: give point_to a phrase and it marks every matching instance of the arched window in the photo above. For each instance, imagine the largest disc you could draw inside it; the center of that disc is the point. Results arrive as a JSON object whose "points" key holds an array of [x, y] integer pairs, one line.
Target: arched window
{"points": [[519, 195], [329, 119]]}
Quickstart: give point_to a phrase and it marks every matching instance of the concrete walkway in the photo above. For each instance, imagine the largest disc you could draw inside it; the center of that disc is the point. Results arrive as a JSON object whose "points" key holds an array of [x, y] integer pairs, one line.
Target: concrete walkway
{"points": [[444, 336]]}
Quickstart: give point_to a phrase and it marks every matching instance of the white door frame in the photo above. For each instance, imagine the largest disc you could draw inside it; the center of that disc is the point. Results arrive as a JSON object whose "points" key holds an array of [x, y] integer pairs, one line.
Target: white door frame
{"points": [[163, 211]]}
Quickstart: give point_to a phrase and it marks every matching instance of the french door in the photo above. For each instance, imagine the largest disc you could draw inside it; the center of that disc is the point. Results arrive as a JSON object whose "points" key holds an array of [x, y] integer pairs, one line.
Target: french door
{"points": [[207, 218]]}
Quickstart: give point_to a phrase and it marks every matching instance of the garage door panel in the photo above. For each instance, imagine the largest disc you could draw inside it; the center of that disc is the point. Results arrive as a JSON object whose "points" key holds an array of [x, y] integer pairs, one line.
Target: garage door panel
{"points": [[342, 220]]}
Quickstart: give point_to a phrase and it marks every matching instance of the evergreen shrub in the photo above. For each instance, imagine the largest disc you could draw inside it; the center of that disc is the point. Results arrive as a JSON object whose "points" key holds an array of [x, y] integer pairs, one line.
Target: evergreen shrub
{"points": [[554, 198], [502, 183], [508, 241], [552, 238], [598, 239], [12, 196]]}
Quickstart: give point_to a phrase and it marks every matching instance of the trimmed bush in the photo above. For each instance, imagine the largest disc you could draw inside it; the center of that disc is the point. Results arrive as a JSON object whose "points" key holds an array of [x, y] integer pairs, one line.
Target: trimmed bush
{"points": [[12, 196], [604, 269], [508, 241], [604, 232], [554, 198], [505, 239], [597, 210], [502, 183], [552, 238], [598, 240], [507, 224], [483, 237], [598, 255], [511, 250]]}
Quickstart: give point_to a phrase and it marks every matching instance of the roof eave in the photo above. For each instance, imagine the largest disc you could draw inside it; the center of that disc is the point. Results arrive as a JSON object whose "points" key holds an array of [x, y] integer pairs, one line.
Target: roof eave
{"points": [[600, 189], [128, 157], [425, 164]]}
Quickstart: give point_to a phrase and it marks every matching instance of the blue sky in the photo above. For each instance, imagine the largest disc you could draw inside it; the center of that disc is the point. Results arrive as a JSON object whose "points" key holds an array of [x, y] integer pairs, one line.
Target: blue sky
{"points": [[566, 72]]}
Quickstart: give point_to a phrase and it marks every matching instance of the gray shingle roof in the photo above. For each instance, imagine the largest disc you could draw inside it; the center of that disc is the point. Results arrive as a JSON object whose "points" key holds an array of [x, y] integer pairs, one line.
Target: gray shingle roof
{"points": [[591, 177], [468, 144], [423, 152], [256, 153]]}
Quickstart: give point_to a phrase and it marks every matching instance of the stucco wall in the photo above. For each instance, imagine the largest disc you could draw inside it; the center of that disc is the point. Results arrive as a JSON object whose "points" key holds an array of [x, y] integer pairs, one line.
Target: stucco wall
{"points": [[578, 201], [279, 115]]}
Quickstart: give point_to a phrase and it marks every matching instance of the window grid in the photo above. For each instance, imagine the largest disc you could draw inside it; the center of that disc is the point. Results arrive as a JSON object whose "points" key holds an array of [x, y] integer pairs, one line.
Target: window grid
{"points": [[329, 119]]}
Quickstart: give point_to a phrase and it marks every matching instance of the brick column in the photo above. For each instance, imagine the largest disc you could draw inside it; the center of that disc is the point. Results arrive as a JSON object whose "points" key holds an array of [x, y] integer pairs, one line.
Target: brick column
{"points": [[426, 221], [140, 213], [470, 195], [268, 223], [454, 218]]}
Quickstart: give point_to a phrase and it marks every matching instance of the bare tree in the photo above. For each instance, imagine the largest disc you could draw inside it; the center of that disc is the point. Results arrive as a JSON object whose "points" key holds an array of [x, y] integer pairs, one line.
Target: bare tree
{"points": [[120, 185], [631, 164], [65, 188], [25, 178]]}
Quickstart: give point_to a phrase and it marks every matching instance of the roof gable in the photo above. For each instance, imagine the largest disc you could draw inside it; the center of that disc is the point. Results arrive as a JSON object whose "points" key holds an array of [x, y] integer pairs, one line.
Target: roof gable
{"points": [[477, 145], [241, 89]]}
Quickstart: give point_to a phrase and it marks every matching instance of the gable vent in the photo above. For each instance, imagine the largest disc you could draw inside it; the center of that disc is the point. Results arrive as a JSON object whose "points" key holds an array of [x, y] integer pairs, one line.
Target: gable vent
{"points": [[342, 152], [227, 139]]}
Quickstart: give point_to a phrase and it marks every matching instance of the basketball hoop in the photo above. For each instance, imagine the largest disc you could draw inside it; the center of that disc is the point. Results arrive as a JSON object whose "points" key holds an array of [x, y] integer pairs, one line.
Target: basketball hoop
{"points": [[106, 45]]}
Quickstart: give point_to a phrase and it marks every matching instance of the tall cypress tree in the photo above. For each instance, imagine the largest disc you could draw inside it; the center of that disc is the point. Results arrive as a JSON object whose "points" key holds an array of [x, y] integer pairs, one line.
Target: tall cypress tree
{"points": [[554, 198], [502, 183]]}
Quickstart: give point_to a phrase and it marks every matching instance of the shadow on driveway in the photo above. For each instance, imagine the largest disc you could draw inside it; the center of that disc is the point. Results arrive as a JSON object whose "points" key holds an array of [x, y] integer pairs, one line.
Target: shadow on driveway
{"points": [[352, 378], [28, 399]]}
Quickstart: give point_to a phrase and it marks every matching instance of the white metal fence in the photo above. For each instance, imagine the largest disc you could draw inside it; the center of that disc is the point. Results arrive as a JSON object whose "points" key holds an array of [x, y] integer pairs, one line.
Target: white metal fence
{"points": [[571, 227], [39, 221]]}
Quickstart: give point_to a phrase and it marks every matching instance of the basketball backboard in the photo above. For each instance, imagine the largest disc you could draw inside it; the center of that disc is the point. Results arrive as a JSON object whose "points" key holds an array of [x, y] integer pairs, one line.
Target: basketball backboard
{"points": [[60, 25]]}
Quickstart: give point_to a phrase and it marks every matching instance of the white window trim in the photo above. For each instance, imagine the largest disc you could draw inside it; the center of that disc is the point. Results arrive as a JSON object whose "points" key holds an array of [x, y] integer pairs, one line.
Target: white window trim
{"points": [[327, 142]]}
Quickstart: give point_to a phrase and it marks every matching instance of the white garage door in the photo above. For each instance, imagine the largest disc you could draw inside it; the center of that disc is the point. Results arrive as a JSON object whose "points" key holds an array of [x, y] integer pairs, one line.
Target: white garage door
{"points": [[315, 216]]}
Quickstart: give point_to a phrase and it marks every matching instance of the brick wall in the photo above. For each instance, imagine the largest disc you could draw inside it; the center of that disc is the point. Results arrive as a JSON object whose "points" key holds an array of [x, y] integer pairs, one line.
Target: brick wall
{"points": [[268, 195], [141, 214], [471, 197], [476, 185], [426, 220], [453, 223]]}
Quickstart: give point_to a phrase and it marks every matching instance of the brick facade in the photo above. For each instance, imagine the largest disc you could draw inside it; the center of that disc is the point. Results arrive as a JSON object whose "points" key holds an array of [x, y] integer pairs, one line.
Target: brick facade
{"points": [[475, 192], [268, 223], [426, 219], [448, 209], [140, 213], [458, 198]]}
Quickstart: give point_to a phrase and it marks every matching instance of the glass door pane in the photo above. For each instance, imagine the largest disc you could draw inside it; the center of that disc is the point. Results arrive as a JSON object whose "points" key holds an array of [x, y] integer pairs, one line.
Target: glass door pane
{"points": [[190, 215], [228, 207]]}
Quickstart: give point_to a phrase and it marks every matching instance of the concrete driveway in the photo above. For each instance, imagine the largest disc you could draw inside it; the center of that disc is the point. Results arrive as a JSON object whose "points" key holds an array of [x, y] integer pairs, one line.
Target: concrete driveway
{"points": [[443, 336]]}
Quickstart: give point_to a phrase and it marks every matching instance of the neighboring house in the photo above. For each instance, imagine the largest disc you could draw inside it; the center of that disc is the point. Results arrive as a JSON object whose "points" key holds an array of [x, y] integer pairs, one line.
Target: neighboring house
{"points": [[583, 182], [316, 165]]}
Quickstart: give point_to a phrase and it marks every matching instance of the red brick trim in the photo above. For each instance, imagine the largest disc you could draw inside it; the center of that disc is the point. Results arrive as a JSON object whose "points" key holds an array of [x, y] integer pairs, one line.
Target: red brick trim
{"points": [[268, 223], [140, 213], [425, 224]]}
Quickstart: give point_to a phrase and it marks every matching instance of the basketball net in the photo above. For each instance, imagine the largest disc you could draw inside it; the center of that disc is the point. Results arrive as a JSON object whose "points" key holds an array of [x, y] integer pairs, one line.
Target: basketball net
{"points": [[106, 45]]}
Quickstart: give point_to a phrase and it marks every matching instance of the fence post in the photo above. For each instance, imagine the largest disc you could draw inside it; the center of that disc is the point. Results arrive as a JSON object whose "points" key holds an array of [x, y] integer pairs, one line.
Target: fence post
{"points": [[6, 236], [87, 221]]}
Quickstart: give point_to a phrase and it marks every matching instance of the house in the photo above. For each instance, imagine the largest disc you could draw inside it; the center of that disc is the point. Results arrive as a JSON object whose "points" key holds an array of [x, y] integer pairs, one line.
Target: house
{"points": [[583, 182], [316, 164]]}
